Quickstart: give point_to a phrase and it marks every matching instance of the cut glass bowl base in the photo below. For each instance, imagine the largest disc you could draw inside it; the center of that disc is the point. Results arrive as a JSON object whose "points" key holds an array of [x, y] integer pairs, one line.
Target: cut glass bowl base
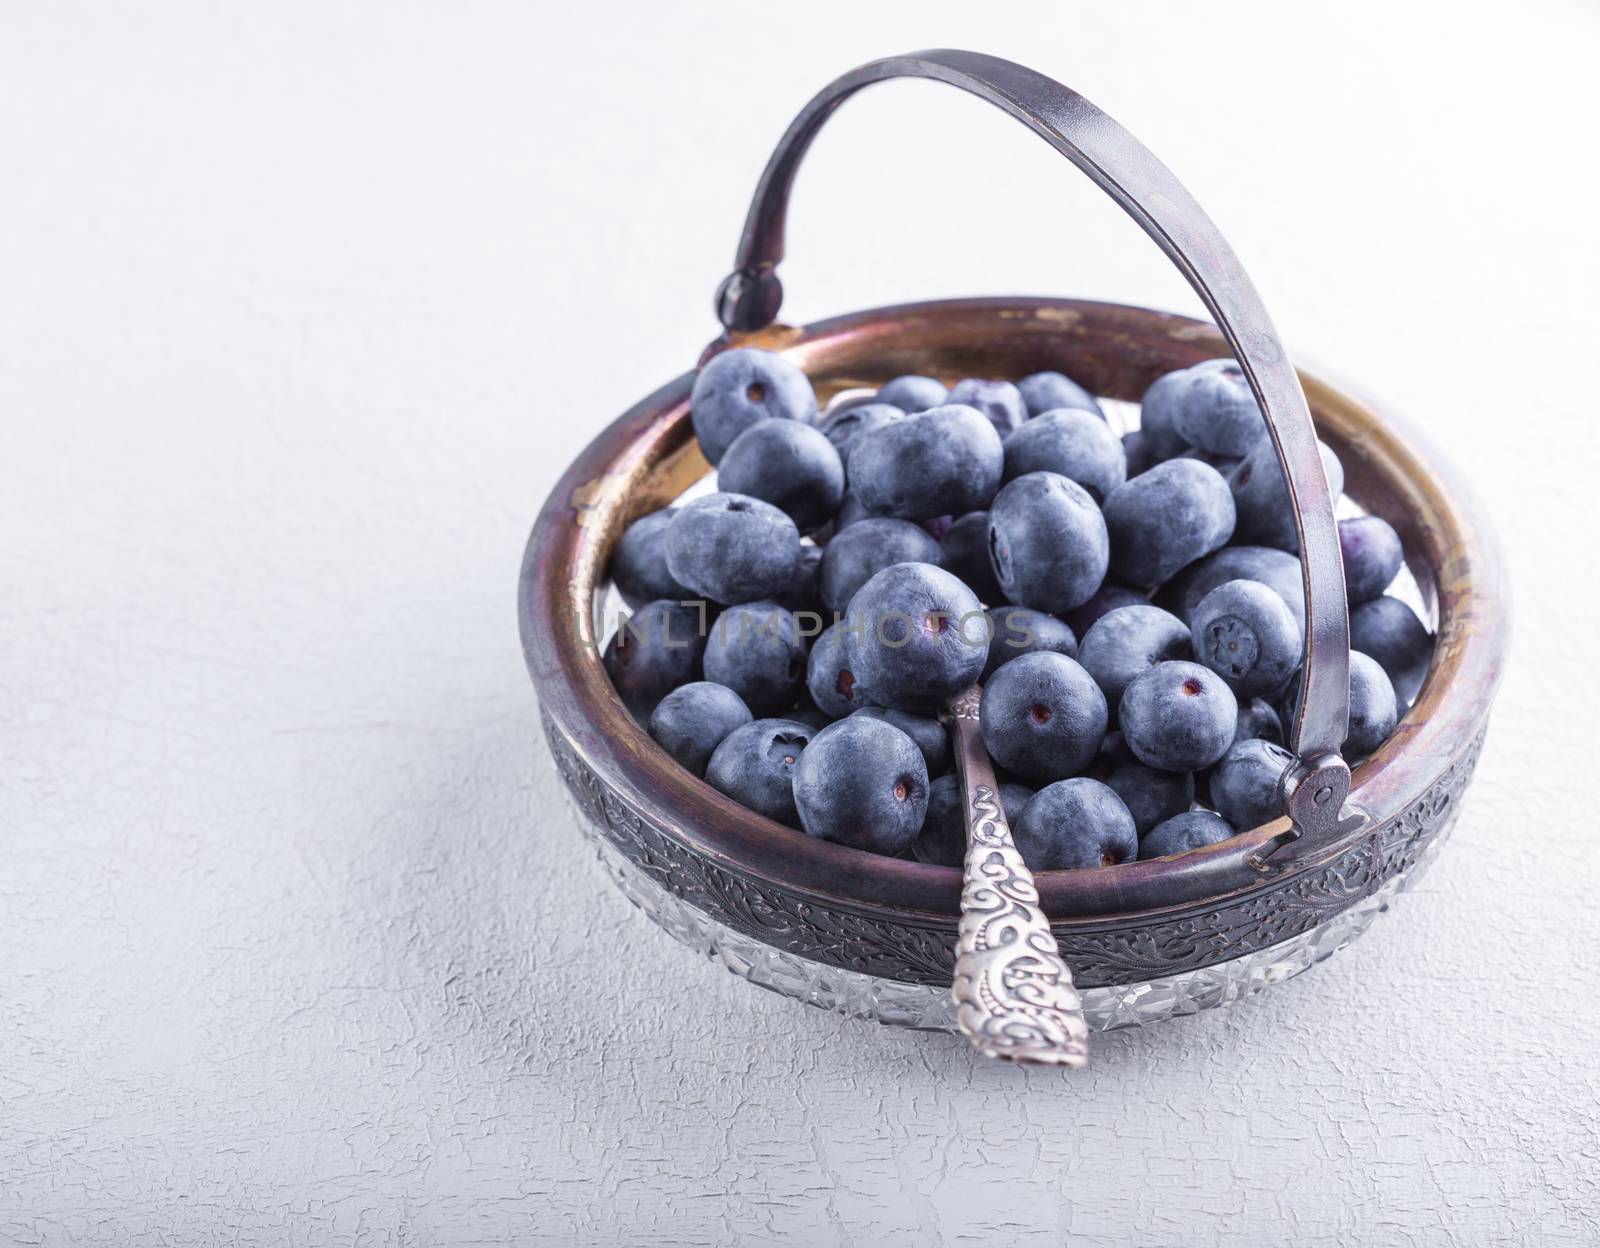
{"points": [[928, 1008]]}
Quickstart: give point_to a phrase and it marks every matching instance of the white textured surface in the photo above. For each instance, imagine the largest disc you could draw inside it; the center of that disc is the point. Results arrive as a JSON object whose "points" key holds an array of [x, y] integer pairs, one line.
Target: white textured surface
{"points": [[302, 309]]}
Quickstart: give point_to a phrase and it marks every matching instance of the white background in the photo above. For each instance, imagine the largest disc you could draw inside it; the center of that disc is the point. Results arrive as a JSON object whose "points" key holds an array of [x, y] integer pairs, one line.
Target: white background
{"points": [[303, 308]]}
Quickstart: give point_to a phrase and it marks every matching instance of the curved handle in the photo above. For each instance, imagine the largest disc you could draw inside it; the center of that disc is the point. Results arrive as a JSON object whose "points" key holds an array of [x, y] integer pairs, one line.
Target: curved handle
{"points": [[749, 299]]}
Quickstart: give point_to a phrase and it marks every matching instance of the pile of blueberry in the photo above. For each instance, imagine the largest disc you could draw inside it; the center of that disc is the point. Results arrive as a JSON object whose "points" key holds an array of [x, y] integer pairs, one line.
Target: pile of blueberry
{"points": [[1132, 607]]}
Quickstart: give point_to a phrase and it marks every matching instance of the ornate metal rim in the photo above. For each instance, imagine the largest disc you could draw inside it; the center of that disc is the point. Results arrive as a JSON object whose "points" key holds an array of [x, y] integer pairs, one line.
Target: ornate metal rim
{"points": [[647, 457]]}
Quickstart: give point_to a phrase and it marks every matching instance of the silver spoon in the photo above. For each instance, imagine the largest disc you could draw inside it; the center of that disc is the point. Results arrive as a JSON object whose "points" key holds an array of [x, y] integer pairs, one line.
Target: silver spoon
{"points": [[1013, 992]]}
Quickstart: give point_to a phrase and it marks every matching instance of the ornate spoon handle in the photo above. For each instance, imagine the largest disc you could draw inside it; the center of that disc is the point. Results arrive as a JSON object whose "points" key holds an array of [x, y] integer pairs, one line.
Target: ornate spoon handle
{"points": [[1013, 993]]}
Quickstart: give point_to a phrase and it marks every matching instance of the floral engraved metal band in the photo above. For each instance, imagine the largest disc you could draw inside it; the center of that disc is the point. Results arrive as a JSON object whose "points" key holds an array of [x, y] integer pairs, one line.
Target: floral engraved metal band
{"points": [[1013, 993]]}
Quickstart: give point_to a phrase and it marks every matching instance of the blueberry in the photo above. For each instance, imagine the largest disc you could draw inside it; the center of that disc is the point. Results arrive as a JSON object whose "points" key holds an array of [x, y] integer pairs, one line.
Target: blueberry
{"points": [[1194, 829], [850, 512], [1224, 464], [1390, 632], [862, 782], [1178, 716], [1372, 556], [1050, 392], [1261, 497], [1138, 453], [639, 562], [1042, 716], [1166, 518], [1374, 708], [1000, 401], [945, 462], [691, 721], [1215, 410], [1244, 633], [937, 526], [1158, 411], [1277, 569], [1243, 785], [913, 393], [844, 426], [654, 651], [733, 548], [788, 464], [1073, 824], [810, 716], [1128, 642], [1016, 631], [755, 766], [1077, 444], [756, 650], [738, 388], [866, 548], [915, 636], [943, 839], [804, 592], [965, 548], [925, 731], [1259, 721], [1111, 595], [1151, 796], [1047, 542]]}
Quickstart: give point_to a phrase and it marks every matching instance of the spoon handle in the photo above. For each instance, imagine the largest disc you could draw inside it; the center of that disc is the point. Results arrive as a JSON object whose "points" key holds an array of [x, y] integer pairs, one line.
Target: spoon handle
{"points": [[1013, 993]]}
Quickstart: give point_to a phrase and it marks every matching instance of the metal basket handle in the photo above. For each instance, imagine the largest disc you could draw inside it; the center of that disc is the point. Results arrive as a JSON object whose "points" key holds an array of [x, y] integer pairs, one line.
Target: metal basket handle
{"points": [[749, 298]]}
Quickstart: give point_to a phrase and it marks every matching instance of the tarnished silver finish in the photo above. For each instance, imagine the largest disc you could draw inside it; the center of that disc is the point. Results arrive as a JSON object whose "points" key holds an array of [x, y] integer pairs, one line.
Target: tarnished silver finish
{"points": [[1013, 994], [1147, 190]]}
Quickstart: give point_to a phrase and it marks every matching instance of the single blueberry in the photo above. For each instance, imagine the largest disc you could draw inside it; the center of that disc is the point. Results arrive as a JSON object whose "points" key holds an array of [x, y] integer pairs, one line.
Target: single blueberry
{"points": [[1138, 453], [756, 650], [1050, 392], [1244, 633], [1000, 401], [1374, 706], [1111, 595], [862, 550], [1047, 542], [1194, 829], [810, 716], [943, 839], [965, 550], [829, 677], [1016, 631], [850, 512], [925, 730], [1073, 824], [1158, 412], [755, 766], [1077, 444], [1258, 720], [945, 462], [915, 636], [788, 464], [653, 651], [1177, 512], [1214, 409], [639, 562], [1128, 642], [913, 393], [1266, 515], [1277, 569], [862, 782], [738, 388], [804, 593], [1151, 796], [1243, 784], [1178, 716], [1042, 716], [844, 426], [1389, 630], [691, 721], [733, 548], [1372, 556]]}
